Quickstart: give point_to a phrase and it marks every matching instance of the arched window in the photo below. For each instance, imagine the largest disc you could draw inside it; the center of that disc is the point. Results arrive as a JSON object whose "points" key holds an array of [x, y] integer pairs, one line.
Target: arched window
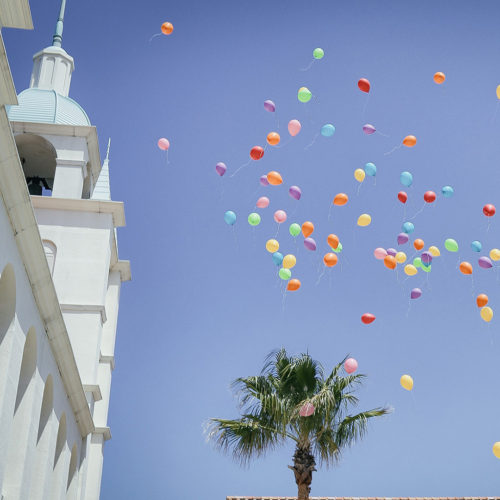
{"points": [[72, 487], [50, 253], [7, 299]]}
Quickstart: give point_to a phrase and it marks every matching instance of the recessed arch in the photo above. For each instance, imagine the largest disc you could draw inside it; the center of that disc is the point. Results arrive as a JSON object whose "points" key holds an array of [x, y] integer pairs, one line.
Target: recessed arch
{"points": [[61, 439], [7, 299], [73, 464], [47, 405], [50, 252], [28, 366]]}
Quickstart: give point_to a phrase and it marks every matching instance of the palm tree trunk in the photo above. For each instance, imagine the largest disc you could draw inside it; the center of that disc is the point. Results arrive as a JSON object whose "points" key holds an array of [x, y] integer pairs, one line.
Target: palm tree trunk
{"points": [[303, 467]]}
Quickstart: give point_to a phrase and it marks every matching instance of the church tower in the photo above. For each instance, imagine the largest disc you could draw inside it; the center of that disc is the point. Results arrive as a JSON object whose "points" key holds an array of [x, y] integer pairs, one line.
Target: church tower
{"points": [[71, 197]]}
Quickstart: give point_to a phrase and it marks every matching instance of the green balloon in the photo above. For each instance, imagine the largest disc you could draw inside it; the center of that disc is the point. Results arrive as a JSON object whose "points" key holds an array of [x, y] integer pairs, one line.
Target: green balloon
{"points": [[417, 262], [254, 219], [318, 53], [285, 274], [338, 249], [427, 269], [451, 245], [294, 229], [304, 94]]}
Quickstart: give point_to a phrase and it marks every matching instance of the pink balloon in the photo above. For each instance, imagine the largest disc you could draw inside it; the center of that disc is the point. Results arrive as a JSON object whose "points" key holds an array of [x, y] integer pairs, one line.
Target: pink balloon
{"points": [[380, 253], [280, 216], [163, 144], [263, 202], [368, 129], [307, 410], [294, 127], [350, 365]]}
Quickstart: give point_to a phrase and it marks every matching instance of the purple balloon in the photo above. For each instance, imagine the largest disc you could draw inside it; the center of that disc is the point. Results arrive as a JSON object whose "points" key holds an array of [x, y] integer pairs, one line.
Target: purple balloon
{"points": [[415, 293], [403, 238], [310, 244], [295, 192], [391, 251], [269, 106], [426, 258], [368, 129], [220, 168], [263, 180], [485, 262]]}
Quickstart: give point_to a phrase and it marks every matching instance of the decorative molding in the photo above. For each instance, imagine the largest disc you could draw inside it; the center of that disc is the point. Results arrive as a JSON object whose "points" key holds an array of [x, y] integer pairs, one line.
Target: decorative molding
{"points": [[86, 308], [7, 90], [94, 389], [123, 267], [107, 359], [105, 431], [15, 14]]}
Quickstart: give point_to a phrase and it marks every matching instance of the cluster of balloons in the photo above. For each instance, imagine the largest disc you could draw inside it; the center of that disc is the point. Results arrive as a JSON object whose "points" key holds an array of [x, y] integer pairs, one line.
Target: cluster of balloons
{"points": [[485, 311]]}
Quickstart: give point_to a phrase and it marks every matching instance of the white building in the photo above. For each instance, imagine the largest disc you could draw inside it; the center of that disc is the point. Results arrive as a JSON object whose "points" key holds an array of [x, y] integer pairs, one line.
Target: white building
{"points": [[59, 283]]}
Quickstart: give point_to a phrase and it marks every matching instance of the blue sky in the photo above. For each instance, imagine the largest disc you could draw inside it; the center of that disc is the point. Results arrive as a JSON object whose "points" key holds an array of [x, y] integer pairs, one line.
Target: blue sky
{"points": [[205, 305]]}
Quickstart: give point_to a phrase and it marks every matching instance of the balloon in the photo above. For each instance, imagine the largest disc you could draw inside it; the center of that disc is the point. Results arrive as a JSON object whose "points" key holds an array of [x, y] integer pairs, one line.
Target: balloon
{"points": [[277, 258], [318, 53], [304, 94], [400, 257], [273, 138], [280, 216], [367, 318], [418, 244], [167, 28], [330, 259], [476, 246], [408, 227], [434, 251], [163, 144], [340, 199], [451, 245], [392, 251], [415, 293], [293, 285], [294, 229], [495, 254], [371, 169], [439, 77], [272, 246], [410, 270], [285, 274], [310, 244], [220, 168], [332, 240], [262, 202], [295, 192], [429, 196], [350, 365], [364, 220], [487, 314], [274, 178], [263, 180], [269, 106], [485, 263], [481, 300], [406, 179], [294, 127], [380, 253], [447, 191], [426, 258], [307, 410], [327, 130], [489, 210], [307, 229], [417, 262], [496, 446], [230, 217], [402, 196], [403, 238], [425, 268], [256, 153], [390, 262], [338, 249], [359, 175], [465, 267], [364, 85], [406, 382], [289, 261], [369, 129], [254, 219], [410, 141]]}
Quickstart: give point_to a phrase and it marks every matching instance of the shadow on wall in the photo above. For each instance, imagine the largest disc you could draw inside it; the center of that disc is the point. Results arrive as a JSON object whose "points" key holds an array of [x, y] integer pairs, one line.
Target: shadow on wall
{"points": [[7, 300]]}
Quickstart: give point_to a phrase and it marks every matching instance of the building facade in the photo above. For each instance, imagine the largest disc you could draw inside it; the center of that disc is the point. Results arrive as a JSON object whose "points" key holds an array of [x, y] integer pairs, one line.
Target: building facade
{"points": [[59, 284]]}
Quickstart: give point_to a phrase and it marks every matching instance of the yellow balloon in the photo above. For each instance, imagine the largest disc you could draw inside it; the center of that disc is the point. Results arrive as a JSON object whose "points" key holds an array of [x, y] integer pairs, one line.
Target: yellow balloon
{"points": [[406, 382], [364, 220], [496, 449], [495, 254], [400, 257], [434, 251], [498, 92], [289, 261], [359, 174], [410, 270], [272, 246], [487, 313]]}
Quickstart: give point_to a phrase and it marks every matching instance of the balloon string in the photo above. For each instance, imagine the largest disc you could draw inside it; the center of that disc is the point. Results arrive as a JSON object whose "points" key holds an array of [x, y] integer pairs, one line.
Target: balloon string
{"points": [[320, 276], [419, 212], [240, 167], [167, 158], [309, 66], [365, 106], [154, 36], [329, 212], [284, 144], [380, 133], [496, 111], [392, 150], [359, 187], [313, 141]]}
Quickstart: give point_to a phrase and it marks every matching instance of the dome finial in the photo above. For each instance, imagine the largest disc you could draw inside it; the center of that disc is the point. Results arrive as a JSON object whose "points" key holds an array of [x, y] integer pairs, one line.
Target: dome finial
{"points": [[57, 38]]}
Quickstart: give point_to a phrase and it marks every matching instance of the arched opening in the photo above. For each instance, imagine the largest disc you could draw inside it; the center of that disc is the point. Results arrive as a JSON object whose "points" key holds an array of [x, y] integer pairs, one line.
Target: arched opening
{"points": [[38, 158], [28, 367], [72, 475], [50, 253], [7, 299]]}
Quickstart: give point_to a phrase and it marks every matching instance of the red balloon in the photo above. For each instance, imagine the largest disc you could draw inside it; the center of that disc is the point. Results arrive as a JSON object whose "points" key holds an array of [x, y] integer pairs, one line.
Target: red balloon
{"points": [[489, 210], [364, 85], [429, 196], [402, 197], [256, 153], [367, 318]]}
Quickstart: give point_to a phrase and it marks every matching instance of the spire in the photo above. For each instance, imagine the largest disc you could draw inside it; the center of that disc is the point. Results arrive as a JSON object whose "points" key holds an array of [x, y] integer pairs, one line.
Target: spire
{"points": [[57, 38], [102, 190]]}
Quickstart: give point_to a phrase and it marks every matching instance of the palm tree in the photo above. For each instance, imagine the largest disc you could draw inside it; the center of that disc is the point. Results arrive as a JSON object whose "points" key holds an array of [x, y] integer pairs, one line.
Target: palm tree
{"points": [[271, 405]]}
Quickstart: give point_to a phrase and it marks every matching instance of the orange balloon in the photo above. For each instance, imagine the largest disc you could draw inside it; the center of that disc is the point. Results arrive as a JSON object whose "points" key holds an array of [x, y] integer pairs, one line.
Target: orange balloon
{"points": [[167, 28], [390, 262], [273, 138], [333, 240], [410, 141], [466, 267], [274, 178], [330, 259], [482, 300], [418, 244], [307, 229], [293, 285], [340, 199], [439, 77]]}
